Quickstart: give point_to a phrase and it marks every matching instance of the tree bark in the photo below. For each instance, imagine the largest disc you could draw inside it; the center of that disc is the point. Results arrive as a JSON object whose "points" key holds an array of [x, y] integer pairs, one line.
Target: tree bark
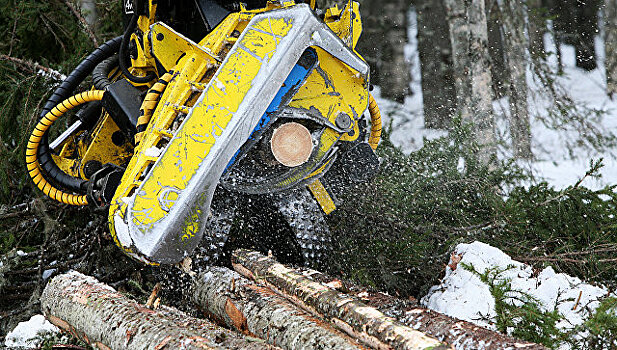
{"points": [[258, 311], [345, 312], [435, 51], [383, 44], [462, 335], [513, 25], [496, 49], [472, 74], [536, 27], [610, 42], [587, 27], [105, 319]]}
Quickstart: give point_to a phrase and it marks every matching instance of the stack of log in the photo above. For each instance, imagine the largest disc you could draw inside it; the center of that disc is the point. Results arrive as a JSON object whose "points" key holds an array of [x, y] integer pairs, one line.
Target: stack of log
{"points": [[260, 305]]}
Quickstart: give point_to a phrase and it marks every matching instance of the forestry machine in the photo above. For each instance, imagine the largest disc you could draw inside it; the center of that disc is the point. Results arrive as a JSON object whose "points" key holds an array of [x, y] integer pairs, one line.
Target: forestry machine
{"points": [[202, 103]]}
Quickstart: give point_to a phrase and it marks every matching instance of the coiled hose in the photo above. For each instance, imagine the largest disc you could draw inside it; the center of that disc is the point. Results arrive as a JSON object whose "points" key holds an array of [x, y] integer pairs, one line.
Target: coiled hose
{"points": [[100, 74], [376, 126], [61, 93], [149, 104], [38, 135]]}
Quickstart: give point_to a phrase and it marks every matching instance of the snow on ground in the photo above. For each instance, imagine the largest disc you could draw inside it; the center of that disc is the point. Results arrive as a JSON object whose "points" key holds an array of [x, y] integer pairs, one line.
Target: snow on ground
{"points": [[553, 161], [463, 295], [25, 334]]}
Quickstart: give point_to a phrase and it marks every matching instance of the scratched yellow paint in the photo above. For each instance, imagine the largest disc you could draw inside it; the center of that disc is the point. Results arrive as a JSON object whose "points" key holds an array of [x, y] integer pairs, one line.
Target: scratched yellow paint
{"points": [[198, 135], [331, 89], [209, 118]]}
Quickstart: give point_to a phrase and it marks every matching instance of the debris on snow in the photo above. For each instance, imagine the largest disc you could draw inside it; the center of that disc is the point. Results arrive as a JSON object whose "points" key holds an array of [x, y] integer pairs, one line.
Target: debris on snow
{"points": [[25, 335], [463, 295]]}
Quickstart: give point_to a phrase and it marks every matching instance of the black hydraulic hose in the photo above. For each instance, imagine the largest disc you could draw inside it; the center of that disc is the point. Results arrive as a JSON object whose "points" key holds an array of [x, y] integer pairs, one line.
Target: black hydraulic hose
{"points": [[123, 57], [64, 91], [100, 74]]}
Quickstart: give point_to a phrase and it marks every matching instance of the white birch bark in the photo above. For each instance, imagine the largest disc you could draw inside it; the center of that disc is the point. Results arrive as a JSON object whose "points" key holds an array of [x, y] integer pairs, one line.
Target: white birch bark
{"points": [[610, 43], [256, 310], [105, 319], [472, 75], [346, 312]]}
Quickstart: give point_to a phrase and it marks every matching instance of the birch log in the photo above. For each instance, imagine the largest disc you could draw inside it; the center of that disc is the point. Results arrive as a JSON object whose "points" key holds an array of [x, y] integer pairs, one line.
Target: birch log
{"points": [[258, 311], [345, 312], [461, 335], [105, 319], [610, 43], [472, 73]]}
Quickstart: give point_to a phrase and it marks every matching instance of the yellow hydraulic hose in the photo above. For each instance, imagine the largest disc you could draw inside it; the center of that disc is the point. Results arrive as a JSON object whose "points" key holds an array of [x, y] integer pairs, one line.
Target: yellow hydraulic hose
{"points": [[149, 105], [375, 136], [34, 169]]}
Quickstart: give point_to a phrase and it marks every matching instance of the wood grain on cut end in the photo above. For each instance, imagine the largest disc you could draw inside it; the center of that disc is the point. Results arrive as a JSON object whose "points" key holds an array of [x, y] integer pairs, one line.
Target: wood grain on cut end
{"points": [[291, 144]]}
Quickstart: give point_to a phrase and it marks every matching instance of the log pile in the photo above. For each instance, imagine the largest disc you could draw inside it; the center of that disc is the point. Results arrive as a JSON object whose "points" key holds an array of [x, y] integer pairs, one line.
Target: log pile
{"points": [[98, 315], [262, 304]]}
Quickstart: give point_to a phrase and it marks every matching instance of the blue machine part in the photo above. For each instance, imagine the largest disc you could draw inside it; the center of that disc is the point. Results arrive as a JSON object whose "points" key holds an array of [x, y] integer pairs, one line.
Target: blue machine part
{"points": [[294, 81]]}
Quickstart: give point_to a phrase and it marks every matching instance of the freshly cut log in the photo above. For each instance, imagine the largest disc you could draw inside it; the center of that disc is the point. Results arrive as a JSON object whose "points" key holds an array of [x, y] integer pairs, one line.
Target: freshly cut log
{"points": [[258, 311], [105, 319], [462, 335], [346, 312]]}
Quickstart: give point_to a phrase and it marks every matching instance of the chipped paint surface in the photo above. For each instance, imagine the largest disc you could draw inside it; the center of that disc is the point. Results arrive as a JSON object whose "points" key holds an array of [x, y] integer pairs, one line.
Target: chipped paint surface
{"points": [[158, 213]]}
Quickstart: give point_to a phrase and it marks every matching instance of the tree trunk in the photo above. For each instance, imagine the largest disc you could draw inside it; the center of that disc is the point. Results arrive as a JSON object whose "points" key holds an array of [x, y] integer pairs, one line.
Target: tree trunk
{"points": [[461, 334], [610, 42], [105, 319], [435, 51], [536, 27], [496, 49], [587, 27], [513, 24], [472, 75], [258, 311], [346, 313], [88, 8], [383, 45]]}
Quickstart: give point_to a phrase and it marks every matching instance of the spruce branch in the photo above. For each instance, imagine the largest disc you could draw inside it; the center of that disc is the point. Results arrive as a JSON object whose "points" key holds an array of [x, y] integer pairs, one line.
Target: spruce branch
{"points": [[33, 66]]}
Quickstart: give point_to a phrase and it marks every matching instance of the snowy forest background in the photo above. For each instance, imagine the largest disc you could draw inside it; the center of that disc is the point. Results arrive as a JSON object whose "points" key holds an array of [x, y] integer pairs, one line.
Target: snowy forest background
{"points": [[501, 128]]}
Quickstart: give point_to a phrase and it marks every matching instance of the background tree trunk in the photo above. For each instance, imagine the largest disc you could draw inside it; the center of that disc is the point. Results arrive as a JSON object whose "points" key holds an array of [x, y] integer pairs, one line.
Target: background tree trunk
{"points": [[383, 45], [610, 42], [536, 14], [472, 76], [513, 25], [587, 27], [88, 8], [435, 51], [496, 49]]}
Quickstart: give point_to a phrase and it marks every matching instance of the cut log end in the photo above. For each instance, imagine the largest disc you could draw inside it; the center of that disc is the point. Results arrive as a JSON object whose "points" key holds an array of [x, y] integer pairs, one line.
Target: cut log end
{"points": [[291, 144]]}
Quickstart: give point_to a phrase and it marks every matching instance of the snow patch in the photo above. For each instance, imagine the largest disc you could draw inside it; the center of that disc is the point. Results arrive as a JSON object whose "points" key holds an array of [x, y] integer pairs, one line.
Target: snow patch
{"points": [[25, 334], [463, 295]]}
